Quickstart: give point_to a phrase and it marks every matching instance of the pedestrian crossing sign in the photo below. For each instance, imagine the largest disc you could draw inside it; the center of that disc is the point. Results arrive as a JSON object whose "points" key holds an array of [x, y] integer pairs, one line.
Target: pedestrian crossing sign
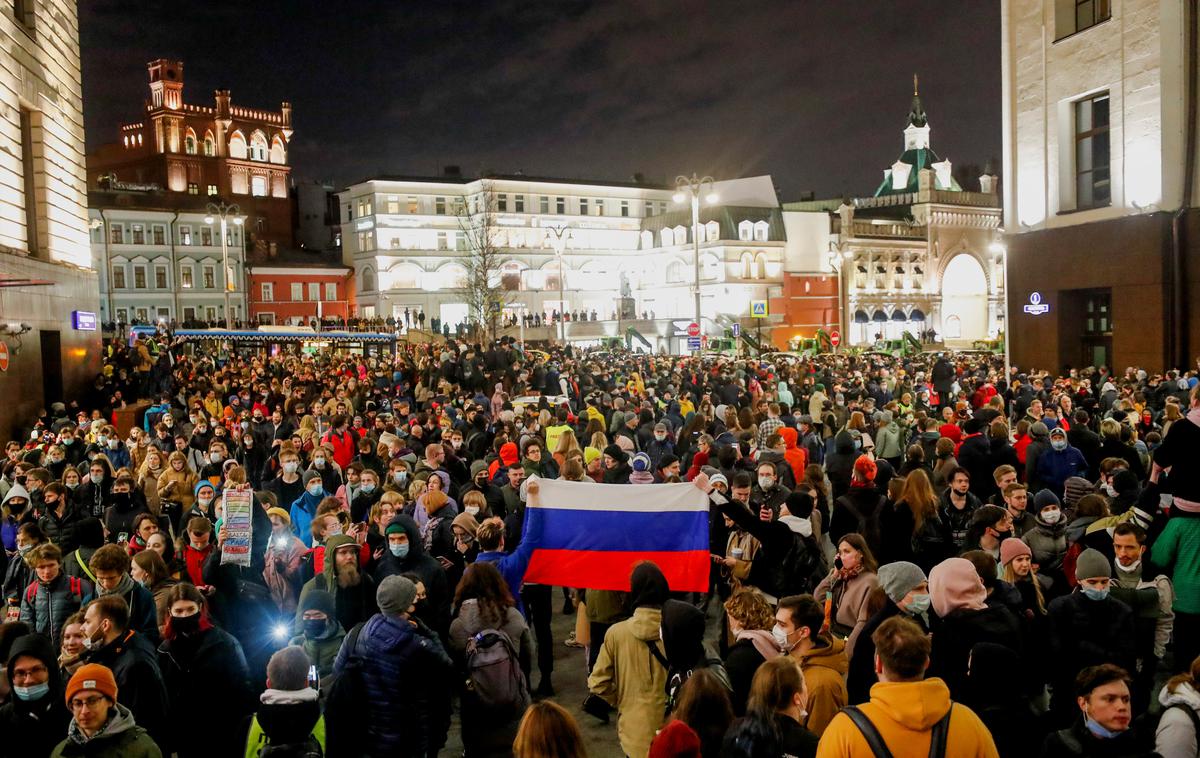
{"points": [[758, 308]]}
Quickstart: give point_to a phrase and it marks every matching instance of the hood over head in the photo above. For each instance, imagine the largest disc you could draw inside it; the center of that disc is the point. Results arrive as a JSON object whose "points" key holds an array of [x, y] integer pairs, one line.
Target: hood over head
{"points": [[843, 442], [954, 584], [683, 634], [789, 436], [647, 586]]}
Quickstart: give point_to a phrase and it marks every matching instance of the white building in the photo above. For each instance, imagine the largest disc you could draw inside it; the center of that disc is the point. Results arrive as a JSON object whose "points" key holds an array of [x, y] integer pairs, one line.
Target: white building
{"points": [[159, 264], [46, 279], [405, 239], [1100, 152]]}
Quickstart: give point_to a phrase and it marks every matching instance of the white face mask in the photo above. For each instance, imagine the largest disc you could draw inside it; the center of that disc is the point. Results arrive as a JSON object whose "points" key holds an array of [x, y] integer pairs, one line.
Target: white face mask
{"points": [[781, 638], [1051, 517], [1131, 568], [473, 510], [319, 462]]}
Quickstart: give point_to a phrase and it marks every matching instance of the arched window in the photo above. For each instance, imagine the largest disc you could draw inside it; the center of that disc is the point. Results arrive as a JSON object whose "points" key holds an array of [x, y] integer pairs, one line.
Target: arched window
{"points": [[712, 231], [675, 272], [761, 229], [237, 146], [668, 237], [746, 230], [405, 276], [647, 239], [367, 280], [747, 266], [210, 145], [278, 151], [258, 146], [189, 142], [760, 266], [453, 276], [510, 276]]}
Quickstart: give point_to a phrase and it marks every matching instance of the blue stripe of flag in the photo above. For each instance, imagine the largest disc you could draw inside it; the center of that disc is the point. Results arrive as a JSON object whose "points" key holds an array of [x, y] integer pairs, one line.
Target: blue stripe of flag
{"points": [[565, 529]]}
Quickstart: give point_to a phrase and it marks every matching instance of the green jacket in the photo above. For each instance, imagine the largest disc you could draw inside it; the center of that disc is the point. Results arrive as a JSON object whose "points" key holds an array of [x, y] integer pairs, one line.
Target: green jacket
{"points": [[1177, 551], [323, 650], [120, 738]]}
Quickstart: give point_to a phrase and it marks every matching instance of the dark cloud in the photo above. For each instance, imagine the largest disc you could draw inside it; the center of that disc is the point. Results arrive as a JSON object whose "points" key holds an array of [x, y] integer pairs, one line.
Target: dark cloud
{"points": [[814, 93]]}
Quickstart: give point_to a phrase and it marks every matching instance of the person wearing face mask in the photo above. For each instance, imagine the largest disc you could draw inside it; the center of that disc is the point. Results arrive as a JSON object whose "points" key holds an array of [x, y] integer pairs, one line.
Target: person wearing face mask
{"points": [[1150, 599], [822, 657], [19, 574], [342, 576], [1102, 718], [990, 525], [903, 591], [14, 512], [288, 483], [251, 454], [1048, 538], [324, 464], [768, 490], [131, 657], [34, 718], [127, 505], [367, 495], [61, 518], [1088, 627], [482, 484], [1059, 463], [205, 497], [214, 470], [321, 634], [304, 508]]}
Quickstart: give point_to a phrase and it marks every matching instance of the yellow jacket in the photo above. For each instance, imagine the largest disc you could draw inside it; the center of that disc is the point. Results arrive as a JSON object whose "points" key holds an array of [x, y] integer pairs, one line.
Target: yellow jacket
{"points": [[824, 670], [628, 676], [904, 713]]}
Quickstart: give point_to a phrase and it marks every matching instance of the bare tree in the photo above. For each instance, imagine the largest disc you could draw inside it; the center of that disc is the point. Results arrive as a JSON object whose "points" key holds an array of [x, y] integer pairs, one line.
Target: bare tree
{"points": [[485, 290]]}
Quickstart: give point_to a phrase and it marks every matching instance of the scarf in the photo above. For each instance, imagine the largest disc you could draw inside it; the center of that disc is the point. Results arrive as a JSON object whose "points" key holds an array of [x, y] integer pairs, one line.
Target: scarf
{"points": [[123, 588], [846, 574]]}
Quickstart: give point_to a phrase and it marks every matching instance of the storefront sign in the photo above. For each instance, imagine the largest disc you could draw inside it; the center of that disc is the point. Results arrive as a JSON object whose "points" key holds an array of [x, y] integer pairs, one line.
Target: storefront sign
{"points": [[1036, 307], [84, 321]]}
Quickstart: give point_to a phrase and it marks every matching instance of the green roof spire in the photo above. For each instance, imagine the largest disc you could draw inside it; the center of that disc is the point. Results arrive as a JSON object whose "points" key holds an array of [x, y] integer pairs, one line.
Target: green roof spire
{"points": [[916, 114]]}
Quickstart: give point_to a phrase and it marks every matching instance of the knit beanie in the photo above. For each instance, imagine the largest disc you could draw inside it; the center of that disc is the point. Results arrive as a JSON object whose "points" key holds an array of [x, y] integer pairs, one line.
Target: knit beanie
{"points": [[202, 484], [641, 462], [283, 515], [92, 676], [616, 453], [319, 600], [1091, 564], [899, 578], [395, 527], [954, 584], [675, 740], [1045, 499], [310, 475], [1011, 548], [590, 454], [715, 478], [866, 468], [395, 595], [477, 466]]}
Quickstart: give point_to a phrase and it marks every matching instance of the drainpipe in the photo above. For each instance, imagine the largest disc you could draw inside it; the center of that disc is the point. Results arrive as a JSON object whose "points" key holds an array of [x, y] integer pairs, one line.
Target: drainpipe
{"points": [[108, 266], [1178, 343], [174, 269]]}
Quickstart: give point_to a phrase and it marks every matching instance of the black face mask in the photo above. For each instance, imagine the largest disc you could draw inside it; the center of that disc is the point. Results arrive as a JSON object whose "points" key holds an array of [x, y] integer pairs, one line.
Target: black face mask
{"points": [[481, 482], [314, 627], [16, 508], [186, 625]]}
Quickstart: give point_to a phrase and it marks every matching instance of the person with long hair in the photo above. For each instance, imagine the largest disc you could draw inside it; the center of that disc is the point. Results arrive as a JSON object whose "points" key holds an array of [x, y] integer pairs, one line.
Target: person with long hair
{"points": [[846, 589], [567, 445], [703, 710], [750, 623], [548, 730], [1177, 735], [779, 696], [912, 530]]}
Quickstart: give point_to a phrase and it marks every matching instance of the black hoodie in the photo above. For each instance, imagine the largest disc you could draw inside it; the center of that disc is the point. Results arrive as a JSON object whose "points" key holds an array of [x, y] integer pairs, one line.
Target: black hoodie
{"points": [[34, 728], [438, 594]]}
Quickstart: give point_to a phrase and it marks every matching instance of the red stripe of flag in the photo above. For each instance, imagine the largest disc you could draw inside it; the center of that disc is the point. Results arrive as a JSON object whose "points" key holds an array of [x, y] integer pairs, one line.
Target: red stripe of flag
{"points": [[686, 571]]}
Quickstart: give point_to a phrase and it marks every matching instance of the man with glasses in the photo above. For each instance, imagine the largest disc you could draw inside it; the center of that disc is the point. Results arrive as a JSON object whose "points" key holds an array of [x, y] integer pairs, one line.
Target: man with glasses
{"points": [[100, 726], [34, 718]]}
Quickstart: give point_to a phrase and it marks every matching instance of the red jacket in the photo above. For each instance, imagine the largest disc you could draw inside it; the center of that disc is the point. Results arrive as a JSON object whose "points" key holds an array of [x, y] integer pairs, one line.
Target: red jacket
{"points": [[345, 445]]}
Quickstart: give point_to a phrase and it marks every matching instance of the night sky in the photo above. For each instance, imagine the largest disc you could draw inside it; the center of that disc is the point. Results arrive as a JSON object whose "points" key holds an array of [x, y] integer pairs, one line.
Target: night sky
{"points": [[814, 93]]}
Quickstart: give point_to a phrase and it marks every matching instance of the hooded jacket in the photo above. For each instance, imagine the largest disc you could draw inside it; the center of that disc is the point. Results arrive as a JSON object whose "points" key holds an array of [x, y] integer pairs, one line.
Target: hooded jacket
{"points": [[627, 674], [119, 738], [905, 713], [825, 667], [437, 591], [62, 531], [134, 663], [32, 728], [354, 604], [285, 717], [322, 650], [796, 456], [205, 674], [303, 511], [46, 607], [839, 465], [1176, 736]]}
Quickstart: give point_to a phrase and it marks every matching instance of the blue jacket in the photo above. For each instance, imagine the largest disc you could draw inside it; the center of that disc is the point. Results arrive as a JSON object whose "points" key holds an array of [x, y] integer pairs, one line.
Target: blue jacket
{"points": [[1057, 466], [513, 566], [302, 512], [407, 677]]}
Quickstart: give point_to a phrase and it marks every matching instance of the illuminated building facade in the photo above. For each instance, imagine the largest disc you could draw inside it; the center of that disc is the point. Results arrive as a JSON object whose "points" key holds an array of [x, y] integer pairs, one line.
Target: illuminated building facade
{"points": [[1100, 176]]}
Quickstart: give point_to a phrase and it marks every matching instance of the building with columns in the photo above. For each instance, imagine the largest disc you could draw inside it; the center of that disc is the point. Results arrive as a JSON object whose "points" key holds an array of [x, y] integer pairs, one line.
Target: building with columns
{"points": [[407, 241], [186, 150], [920, 254]]}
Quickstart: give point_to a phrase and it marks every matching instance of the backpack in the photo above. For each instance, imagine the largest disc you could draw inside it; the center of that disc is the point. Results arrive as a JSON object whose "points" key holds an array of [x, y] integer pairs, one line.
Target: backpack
{"points": [[494, 676], [74, 586], [879, 748], [309, 748], [345, 697], [868, 527], [1069, 560], [801, 569]]}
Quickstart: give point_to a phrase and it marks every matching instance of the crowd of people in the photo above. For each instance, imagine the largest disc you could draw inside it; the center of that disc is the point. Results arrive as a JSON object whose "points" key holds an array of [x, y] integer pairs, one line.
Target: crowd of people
{"points": [[909, 556]]}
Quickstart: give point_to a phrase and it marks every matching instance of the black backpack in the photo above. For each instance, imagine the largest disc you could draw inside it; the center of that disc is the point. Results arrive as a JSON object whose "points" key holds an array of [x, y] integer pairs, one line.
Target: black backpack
{"points": [[309, 748], [344, 701], [494, 676], [801, 569]]}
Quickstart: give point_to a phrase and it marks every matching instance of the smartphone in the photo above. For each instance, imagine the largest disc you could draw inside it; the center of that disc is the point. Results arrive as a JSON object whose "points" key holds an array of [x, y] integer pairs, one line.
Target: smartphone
{"points": [[314, 680]]}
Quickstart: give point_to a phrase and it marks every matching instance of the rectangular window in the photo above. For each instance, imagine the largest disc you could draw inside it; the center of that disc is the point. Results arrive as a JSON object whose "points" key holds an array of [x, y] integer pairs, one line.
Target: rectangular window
{"points": [[1071, 16], [122, 316], [212, 190], [193, 188], [210, 277], [520, 204], [1092, 186], [268, 292], [543, 204], [141, 314], [206, 236], [314, 291], [583, 206], [164, 314], [560, 205], [159, 233], [139, 234], [258, 186], [393, 203], [442, 243], [210, 313], [364, 207], [24, 10], [297, 292], [439, 206], [649, 210], [413, 204], [160, 277], [185, 277], [139, 277], [118, 277], [185, 235], [330, 291], [366, 241], [116, 234], [502, 202], [600, 207], [460, 243], [624, 207], [189, 314]]}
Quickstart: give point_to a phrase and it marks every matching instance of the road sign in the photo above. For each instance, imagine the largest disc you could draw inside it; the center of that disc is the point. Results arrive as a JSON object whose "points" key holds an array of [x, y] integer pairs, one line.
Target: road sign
{"points": [[737, 330], [681, 327], [3, 357], [693, 343], [693, 329], [835, 338], [758, 309]]}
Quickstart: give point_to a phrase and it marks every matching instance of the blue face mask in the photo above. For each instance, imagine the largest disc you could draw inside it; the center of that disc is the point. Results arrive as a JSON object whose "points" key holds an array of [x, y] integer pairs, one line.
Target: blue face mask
{"points": [[368, 488], [1095, 594], [399, 551], [36, 692], [918, 605], [1097, 729]]}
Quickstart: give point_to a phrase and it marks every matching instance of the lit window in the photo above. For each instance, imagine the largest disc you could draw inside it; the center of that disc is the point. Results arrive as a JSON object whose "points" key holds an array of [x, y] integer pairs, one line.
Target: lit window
{"points": [[412, 204], [189, 145], [185, 235], [330, 291], [206, 236], [258, 186], [297, 292], [118, 277], [193, 188], [159, 235], [212, 189], [210, 277], [160, 277], [268, 291], [185, 277], [314, 291], [209, 146], [139, 234]]}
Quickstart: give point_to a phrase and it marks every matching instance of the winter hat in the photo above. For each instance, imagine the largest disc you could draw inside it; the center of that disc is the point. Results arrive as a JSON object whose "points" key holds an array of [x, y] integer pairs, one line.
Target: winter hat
{"points": [[616, 453], [675, 740], [395, 527], [866, 468], [1045, 499], [310, 475], [202, 484], [1058, 431], [715, 478], [395, 595], [319, 600], [954, 584], [1075, 489], [92, 676], [666, 460], [1038, 429], [899, 578], [1012, 548], [641, 462], [590, 454], [477, 466], [1090, 564], [283, 515], [467, 522]]}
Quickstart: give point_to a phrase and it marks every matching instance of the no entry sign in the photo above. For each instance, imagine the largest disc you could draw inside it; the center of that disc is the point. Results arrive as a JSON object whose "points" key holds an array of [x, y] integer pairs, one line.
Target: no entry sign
{"points": [[835, 338]]}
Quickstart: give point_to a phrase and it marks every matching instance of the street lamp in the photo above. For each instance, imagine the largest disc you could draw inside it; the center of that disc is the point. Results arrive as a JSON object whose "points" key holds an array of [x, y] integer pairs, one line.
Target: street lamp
{"points": [[998, 248], [692, 188], [836, 259], [223, 211], [557, 234]]}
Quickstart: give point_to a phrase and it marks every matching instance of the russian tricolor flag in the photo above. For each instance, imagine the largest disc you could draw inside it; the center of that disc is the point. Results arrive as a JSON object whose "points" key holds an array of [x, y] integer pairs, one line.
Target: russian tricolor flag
{"points": [[592, 535]]}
